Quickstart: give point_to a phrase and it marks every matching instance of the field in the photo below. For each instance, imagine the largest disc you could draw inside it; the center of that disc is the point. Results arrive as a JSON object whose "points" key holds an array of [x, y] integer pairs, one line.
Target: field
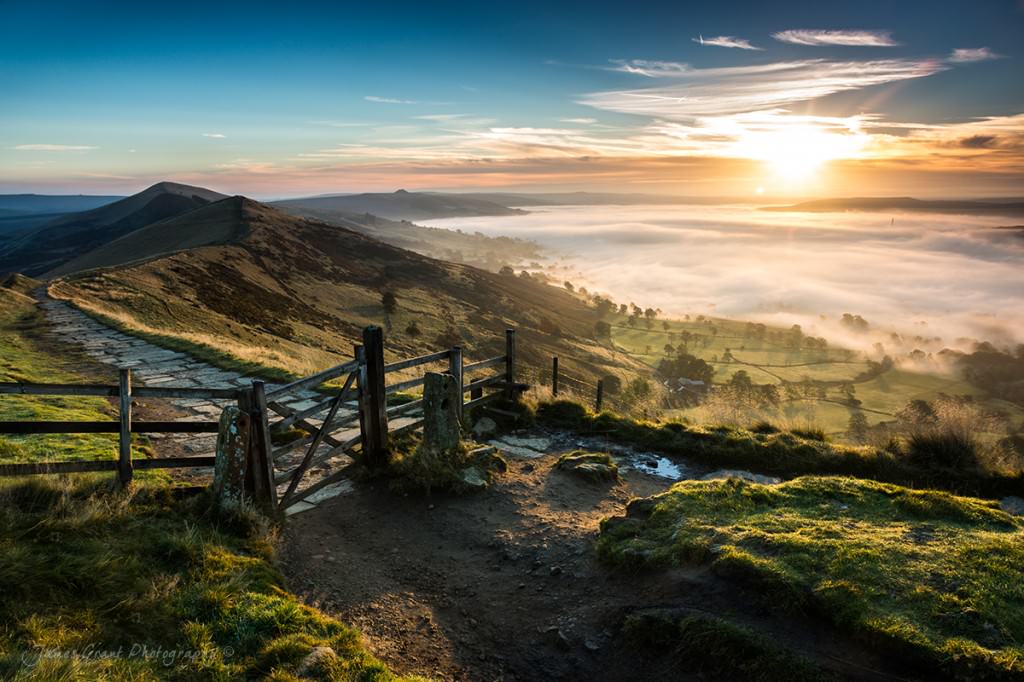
{"points": [[769, 361]]}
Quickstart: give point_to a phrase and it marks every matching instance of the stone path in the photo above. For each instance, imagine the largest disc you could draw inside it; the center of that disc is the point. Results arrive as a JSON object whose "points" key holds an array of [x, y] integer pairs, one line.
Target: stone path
{"points": [[152, 365]]}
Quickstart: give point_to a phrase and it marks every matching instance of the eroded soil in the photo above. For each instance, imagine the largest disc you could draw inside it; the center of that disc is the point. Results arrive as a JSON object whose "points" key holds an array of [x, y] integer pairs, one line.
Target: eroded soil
{"points": [[505, 585]]}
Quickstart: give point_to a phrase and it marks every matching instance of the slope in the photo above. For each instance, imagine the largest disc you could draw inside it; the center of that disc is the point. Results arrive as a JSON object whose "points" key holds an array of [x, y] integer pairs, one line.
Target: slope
{"points": [[489, 253], [294, 294], [403, 205], [63, 238]]}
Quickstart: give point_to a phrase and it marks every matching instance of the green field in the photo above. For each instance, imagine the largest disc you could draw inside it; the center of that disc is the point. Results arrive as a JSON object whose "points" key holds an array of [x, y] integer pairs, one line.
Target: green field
{"points": [[769, 361]]}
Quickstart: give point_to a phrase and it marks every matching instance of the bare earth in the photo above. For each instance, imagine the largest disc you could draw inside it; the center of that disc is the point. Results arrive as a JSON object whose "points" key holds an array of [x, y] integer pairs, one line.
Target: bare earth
{"points": [[505, 585]]}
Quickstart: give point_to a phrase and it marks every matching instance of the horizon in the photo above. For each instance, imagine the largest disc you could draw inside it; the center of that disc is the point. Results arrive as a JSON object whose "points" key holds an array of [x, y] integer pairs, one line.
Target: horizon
{"points": [[797, 101]]}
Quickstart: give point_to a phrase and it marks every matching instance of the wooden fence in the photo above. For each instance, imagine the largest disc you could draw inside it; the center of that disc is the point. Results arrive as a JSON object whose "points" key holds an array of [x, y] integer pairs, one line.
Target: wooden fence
{"points": [[339, 420]]}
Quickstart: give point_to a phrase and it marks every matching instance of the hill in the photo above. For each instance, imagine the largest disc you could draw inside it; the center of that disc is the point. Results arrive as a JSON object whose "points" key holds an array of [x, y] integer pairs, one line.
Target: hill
{"points": [[490, 253], [53, 203], [207, 225], [294, 294], [403, 205], [65, 237], [1011, 208]]}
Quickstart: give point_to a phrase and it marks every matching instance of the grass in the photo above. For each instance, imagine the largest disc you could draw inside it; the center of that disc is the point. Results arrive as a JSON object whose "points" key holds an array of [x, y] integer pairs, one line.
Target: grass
{"points": [[23, 359], [933, 577], [771, 451], [140, 586], [715, 648]]}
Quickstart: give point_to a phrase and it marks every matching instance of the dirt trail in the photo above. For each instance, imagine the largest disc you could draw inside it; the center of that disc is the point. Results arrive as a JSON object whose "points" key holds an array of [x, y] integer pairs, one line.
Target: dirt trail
{"points": [[505, 585]]}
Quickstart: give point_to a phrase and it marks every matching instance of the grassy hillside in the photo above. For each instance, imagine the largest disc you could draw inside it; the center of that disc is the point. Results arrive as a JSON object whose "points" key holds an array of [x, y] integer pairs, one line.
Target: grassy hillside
{"points": [[294, 294], [931, 577], [140, 586], [490, 253], [839, 374], [54, 243]]}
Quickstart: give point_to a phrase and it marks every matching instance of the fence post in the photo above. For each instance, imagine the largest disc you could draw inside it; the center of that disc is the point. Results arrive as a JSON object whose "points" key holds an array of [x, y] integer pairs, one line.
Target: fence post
{"points": [[600, 395], [124, 459], [554, 377], [374, 421], [510, 361], [455, 369], [262, 450]]}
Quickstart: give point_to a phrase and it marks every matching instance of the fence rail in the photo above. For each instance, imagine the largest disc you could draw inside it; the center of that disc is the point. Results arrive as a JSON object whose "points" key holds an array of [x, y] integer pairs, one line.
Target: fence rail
{"points": [[357, 414]]}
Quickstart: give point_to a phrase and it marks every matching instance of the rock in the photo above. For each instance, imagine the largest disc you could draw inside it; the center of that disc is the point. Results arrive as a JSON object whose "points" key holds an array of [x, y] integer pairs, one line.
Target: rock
{"points": [[553, 635], [485, 427], [592, 645], [317, 662], [593, 466], [742, 475], [1012, 505], [472, 477]]}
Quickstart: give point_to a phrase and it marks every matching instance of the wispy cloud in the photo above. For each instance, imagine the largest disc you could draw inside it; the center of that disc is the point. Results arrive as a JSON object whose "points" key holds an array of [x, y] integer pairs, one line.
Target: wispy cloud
{"points": [[727, 41], [720, 91], [54, 147], [581, 121], [803, 36], [389, 100], [440, 117], [216, 136], [963, 55], [651, 69]]}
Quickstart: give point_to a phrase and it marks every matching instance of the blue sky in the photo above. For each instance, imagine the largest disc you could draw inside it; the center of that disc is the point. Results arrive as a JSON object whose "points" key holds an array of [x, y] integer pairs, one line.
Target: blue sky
{"points": [[276, 100]]}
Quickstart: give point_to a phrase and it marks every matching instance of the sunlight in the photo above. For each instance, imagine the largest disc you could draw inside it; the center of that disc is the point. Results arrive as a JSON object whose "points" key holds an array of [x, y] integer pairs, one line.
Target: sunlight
{"points": [[796, 153]]}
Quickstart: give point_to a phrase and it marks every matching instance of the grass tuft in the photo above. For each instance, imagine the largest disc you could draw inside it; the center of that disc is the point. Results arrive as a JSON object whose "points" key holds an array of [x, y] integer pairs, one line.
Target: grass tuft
{"points": [[931, 576]]}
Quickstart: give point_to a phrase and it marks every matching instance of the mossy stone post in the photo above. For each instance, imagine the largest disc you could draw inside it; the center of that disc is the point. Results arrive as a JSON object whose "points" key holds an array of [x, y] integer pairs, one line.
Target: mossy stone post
{"points": [[230, 468], [442, 430]]}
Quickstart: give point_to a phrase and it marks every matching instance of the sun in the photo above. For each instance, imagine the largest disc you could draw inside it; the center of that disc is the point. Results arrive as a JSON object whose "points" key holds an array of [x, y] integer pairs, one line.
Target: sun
{"points": [[796, 153]]}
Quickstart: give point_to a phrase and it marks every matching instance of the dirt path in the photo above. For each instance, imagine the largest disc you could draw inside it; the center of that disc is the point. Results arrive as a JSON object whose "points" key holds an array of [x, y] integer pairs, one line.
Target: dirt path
{"points": [[505, 585]]}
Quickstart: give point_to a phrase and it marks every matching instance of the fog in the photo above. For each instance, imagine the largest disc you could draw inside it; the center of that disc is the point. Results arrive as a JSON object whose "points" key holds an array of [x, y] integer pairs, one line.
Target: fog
{"points": [[919, 275]]}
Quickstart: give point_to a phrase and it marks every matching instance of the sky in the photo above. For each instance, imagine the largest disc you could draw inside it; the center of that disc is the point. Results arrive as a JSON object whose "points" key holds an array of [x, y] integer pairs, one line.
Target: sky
{"points": [[731, 98]]}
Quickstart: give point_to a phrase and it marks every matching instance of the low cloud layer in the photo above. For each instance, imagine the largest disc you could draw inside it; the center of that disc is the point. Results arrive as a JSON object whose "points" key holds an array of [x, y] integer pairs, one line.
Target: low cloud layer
{"points": [[930, 275]]}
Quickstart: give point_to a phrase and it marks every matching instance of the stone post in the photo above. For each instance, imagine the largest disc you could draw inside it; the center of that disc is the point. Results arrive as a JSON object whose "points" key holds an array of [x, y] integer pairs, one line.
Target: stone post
{"points": [[442, 431], [232, 457]]}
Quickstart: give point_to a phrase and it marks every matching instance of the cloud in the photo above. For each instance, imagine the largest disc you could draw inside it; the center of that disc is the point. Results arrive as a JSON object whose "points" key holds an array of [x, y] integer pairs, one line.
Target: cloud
{"points": [[389, 100], [440, 117], [727, 41], [978, 141], [651, 69], [216, 136], [694, 92], [965, 55], [581, 121], [54, 147], [845, 38]]}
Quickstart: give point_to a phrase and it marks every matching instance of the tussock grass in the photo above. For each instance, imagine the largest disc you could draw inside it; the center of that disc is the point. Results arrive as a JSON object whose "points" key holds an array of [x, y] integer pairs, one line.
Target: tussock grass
{"points": [[932, 576], [772, 451], [92, 579]]}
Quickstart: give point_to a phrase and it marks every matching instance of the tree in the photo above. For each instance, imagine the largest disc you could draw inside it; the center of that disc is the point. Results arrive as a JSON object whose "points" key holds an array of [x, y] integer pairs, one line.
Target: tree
{"points": [[569, 287], [602, 330], [623, 309], [857, 428], [413, 329], [685, 366], [650, 313], [389, 301], [507, 271], [665, 325]]}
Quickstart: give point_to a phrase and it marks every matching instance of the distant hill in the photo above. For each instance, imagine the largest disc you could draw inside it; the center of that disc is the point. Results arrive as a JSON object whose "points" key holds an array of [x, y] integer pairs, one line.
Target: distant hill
{"points": [[295, 293], [215, 223], [403, 205], [55, 242], [1004, 207], [53, 203], [590, 198], [490, 253]]}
